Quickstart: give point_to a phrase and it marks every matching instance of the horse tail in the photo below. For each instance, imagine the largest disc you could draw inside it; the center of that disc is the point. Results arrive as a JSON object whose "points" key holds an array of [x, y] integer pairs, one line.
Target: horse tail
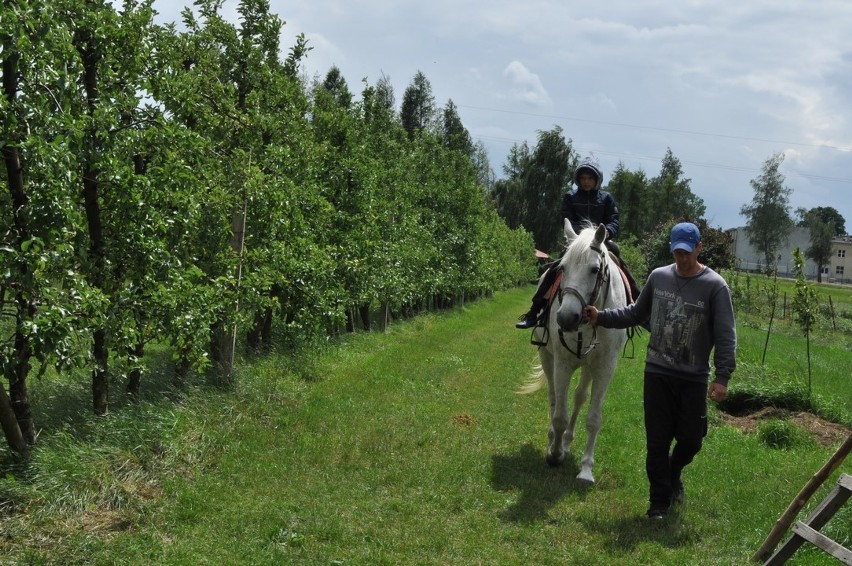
{"points": [[536, 381]]}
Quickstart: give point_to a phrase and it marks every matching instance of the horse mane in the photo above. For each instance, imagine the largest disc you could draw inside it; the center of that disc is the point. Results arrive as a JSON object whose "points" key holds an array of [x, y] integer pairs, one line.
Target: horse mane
{"points": [[580, 244]]}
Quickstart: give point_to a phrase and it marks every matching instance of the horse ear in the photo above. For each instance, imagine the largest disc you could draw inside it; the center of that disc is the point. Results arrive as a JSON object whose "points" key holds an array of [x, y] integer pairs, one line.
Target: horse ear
{"points": [[600, 234], [570, 234]]}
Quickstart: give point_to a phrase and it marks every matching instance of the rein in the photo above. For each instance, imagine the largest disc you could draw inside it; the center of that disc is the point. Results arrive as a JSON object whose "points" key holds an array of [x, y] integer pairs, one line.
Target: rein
{"points": [[603, 277]]}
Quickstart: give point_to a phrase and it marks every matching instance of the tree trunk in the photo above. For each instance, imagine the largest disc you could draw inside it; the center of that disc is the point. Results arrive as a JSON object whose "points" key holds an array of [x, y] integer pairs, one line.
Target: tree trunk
{"points": [[385, 316], [266, 330], [182, 367], [228, 339], [100, 381], [253, 339], [24, 431], [11, 430], [350, 320], [134, 380], [100, 376], [18, 386], [91, 60], [365, 316], [261, 332]]}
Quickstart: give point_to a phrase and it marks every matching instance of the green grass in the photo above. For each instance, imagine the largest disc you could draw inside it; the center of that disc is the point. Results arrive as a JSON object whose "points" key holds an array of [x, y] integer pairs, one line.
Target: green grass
{"points": [[408, 447], [773, 352]]}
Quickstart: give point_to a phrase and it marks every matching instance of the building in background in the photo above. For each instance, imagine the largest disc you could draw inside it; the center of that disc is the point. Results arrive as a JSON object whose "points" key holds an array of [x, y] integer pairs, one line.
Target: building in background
{"points": [[839, 269]]}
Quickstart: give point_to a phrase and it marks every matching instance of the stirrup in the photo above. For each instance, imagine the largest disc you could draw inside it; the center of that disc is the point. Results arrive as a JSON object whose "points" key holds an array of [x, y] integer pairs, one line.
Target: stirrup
{"points": [[540, 336]]}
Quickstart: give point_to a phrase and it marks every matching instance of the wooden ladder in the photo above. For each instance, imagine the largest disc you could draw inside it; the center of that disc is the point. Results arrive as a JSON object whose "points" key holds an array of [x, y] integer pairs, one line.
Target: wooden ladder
{"points": [[808, 530]]}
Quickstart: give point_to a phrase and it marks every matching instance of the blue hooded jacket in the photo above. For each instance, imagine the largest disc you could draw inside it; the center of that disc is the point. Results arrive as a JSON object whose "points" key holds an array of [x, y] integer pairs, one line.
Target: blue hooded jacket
{"points": [[595, 206]]}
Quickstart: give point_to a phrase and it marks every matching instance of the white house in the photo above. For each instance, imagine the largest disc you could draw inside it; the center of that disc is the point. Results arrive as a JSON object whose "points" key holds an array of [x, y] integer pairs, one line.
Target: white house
{"points": [[839, 269]]}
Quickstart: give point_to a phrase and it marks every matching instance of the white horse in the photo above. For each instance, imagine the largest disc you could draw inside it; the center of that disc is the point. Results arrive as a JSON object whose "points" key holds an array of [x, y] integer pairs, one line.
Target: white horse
{"points": [[590, 276]]}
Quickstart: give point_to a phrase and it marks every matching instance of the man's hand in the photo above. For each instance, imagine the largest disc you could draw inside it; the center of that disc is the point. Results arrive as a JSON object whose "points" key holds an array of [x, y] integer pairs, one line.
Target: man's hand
{"points": [[717, 392], [591, 315]]}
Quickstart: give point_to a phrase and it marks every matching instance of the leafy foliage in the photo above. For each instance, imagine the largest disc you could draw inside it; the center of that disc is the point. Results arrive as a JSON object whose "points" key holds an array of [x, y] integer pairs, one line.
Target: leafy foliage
{"points": [[804, 301], [768, 216], [823, 223], [222, 195], [716, 253], [531, 196], [825, 214]]}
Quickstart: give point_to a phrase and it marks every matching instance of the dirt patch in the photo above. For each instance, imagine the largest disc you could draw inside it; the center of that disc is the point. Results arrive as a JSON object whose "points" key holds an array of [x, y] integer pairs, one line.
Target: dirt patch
{"points": [[825, 432], [465, 420]]}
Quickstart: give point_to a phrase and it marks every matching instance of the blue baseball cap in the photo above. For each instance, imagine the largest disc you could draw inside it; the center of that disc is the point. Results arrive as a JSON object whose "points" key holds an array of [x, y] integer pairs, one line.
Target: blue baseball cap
{"points": [[685, 236]]}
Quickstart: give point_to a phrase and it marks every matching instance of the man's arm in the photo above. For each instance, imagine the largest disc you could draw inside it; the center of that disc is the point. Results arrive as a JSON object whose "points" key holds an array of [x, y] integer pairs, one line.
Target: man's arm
{"points": [[725, 336]]}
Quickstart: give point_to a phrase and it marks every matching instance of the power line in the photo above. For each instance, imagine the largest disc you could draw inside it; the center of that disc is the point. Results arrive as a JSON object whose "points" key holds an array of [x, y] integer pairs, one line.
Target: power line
{"points": [[706, 165], [670, 130]]}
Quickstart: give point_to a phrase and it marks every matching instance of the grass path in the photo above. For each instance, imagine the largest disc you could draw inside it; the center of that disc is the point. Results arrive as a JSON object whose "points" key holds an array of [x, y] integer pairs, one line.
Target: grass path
{"points": [[412, 447]]}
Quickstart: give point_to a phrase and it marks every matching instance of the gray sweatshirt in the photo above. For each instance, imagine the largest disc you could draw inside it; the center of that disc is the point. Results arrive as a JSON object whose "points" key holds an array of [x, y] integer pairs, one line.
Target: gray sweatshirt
{"points": [[689, 317]]}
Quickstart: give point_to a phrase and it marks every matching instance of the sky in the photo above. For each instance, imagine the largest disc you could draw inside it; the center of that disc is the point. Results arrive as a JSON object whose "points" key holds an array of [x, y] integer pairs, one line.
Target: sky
{"points": [[724, 84]]}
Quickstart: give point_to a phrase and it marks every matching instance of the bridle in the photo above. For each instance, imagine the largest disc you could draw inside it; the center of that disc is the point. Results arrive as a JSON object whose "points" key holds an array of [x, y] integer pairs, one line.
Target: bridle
{"points": [[601, 281]]}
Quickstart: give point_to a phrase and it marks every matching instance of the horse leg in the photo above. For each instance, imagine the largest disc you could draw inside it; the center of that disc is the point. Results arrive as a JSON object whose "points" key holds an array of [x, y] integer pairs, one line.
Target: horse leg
{"points": [[558, 414], [594, 420], [580, 396]]}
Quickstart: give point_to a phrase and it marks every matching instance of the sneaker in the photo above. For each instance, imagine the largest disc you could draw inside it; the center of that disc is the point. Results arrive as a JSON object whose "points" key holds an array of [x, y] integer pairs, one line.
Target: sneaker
{"points": [[527, 320], [678, 494], [657, 513]]}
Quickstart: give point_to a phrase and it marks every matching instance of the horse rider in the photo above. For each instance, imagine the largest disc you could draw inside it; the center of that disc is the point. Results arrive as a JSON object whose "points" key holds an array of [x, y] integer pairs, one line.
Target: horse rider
{"points": [[587, 204]]}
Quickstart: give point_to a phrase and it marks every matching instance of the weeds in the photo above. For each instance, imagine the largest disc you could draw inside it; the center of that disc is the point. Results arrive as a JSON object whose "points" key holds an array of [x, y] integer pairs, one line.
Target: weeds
{"points": [[781, 434]]}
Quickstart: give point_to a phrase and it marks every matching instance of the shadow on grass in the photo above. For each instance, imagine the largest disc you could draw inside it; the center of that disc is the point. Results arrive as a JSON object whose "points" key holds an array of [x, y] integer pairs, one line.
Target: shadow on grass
{"points": [[64, 402], [541, 486], [623, 534]]}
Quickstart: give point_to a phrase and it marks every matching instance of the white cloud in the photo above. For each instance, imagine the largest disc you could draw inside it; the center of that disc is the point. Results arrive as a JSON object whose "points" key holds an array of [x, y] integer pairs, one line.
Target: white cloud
{"points": [[723, 84], [525, 85]]}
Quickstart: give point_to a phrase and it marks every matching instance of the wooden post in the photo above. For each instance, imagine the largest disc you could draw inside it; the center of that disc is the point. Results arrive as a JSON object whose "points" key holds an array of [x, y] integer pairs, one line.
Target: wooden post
{"points": [[783, 522], [808, 530], [831, 309], [228, 342]]}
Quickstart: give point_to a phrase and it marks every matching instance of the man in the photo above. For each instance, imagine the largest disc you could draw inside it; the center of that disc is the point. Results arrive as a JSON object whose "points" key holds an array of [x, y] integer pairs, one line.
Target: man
{"points": [[587, 204], [690, 312]]}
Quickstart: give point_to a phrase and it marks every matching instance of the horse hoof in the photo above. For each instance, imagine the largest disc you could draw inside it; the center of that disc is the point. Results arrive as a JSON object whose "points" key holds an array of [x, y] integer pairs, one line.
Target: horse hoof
{"points": [[554, 461], [586, 476]]}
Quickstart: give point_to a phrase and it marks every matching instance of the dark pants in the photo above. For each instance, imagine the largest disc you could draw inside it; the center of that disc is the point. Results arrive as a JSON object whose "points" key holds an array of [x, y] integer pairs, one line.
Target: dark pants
{"points": [[675, 411], [539, 300]]}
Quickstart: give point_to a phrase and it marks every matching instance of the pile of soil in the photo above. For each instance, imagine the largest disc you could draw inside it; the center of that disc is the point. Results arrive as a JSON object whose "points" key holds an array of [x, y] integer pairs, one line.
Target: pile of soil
{"points": [[825, 432]]}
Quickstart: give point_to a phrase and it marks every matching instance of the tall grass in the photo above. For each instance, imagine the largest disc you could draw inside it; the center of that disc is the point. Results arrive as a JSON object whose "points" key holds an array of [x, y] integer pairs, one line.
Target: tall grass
{"points": [[409, 447]]}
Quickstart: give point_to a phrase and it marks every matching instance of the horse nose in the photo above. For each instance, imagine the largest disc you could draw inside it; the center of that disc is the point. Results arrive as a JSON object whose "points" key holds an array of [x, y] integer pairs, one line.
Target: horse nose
{"points": [[569, 321]]}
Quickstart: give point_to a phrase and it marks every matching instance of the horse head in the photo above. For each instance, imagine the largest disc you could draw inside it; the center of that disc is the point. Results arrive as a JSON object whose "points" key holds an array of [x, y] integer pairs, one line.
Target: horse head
{"points": [[584, 269]]}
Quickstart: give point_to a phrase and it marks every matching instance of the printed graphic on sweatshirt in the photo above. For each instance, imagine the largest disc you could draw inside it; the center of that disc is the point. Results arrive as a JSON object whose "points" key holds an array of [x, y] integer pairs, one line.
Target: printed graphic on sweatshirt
{"points": [[679, 322]]}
